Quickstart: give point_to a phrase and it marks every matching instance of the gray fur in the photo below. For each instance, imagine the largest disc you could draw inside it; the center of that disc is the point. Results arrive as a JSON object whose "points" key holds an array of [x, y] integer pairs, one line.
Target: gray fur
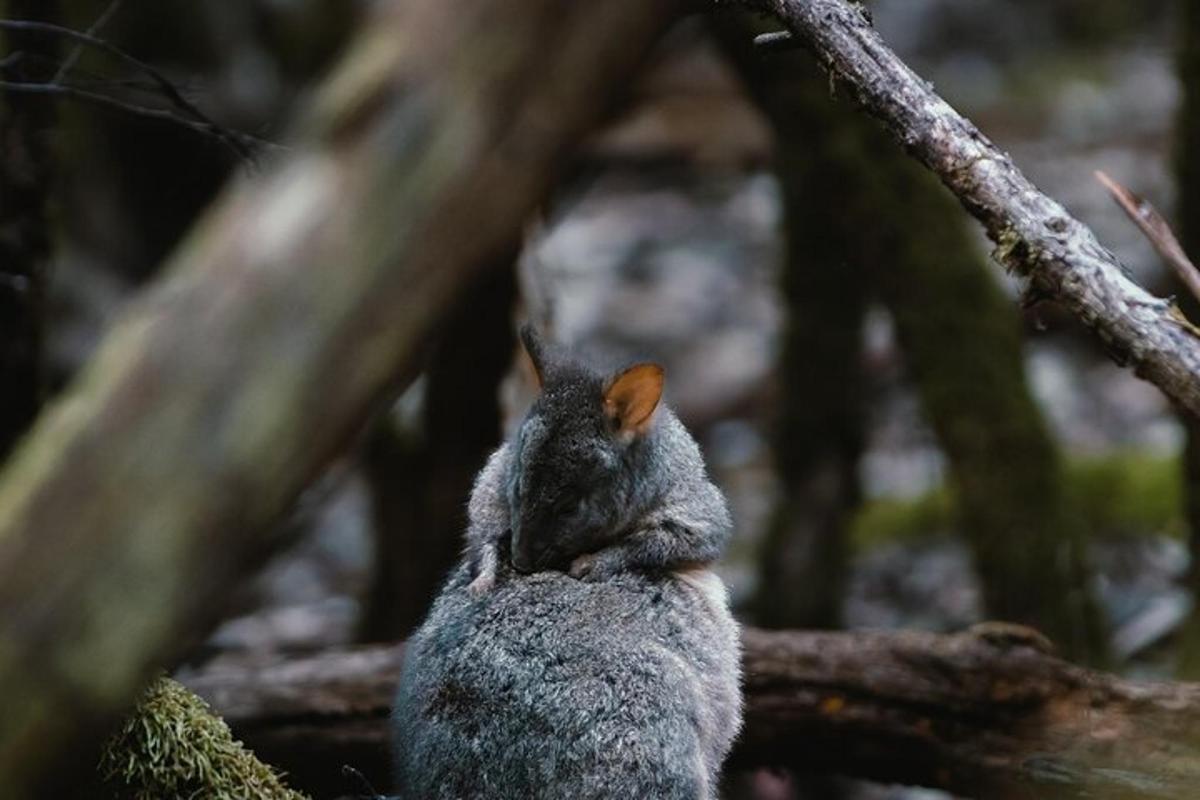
{"points": [[576, 494], [551, 688]]}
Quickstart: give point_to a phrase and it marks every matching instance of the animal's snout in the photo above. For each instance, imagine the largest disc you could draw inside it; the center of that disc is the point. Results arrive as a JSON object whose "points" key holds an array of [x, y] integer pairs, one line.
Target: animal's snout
{"points": [[522, 563], [522, 559]]}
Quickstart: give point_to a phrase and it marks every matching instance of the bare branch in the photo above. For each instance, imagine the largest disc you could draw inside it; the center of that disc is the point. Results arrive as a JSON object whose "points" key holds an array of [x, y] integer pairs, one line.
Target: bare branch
{"points": [[1034, 234], [73, 57], [1156, 229], [238, 142]]}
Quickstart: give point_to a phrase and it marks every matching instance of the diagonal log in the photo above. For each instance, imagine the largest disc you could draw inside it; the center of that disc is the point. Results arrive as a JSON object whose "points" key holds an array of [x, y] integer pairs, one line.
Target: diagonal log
{"points": [[988, 713], [1035, 237], [292, 310]]}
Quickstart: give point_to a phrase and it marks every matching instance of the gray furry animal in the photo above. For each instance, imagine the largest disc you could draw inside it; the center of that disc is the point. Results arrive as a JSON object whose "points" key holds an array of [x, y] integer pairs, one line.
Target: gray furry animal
{"points": [[552, 688], [600, 478], [617, 679]]}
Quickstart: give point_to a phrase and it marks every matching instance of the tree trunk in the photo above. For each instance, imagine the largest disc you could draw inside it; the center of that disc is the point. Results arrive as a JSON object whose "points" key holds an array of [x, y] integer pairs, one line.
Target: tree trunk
{"points": [[293, 309], [420, 483], [862, 214], [987, 714], [962, 344], [818, 433]]}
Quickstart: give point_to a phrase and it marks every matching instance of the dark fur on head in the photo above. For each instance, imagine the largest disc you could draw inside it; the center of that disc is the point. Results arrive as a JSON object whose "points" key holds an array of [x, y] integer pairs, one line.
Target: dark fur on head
{"points": [[573, 484]]}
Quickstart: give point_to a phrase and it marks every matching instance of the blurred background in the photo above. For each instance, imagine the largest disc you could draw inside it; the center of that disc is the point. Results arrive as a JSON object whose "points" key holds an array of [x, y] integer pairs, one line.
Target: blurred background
{"points": [[902, 442]]}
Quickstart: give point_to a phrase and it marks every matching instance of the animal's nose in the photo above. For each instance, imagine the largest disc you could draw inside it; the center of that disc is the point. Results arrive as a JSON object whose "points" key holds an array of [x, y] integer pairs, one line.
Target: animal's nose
{"points": [[522, 561]]}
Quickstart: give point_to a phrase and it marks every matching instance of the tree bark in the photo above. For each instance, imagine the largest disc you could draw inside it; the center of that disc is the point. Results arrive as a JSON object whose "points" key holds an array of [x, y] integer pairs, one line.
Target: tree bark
{"points": [[1035, 236], [988, 713], [287, 315]]}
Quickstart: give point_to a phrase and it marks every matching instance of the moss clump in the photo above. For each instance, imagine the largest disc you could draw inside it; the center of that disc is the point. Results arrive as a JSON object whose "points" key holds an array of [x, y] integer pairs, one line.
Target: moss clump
{"points": [[889, 520], [173, 746], [1115, 496]]}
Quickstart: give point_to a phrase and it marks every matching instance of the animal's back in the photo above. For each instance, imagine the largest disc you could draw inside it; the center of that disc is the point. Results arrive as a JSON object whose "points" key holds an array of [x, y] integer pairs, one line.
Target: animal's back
{"points": [[554, 688]]}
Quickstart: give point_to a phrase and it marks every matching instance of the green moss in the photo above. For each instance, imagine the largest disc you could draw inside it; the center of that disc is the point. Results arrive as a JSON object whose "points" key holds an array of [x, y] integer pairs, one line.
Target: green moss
{"points": [[1125, 494], [890, 520], [173, 746]]}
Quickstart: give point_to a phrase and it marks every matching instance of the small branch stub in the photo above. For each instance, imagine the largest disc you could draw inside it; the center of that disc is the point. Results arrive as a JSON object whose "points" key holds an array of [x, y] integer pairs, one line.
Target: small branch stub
{"points": [[1156, 229]]}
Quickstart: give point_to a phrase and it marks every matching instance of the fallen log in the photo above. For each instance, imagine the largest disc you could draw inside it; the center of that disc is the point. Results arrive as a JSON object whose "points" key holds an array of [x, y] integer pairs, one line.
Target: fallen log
{"points": [[290, 313], [1035, 236], [989, 713]]}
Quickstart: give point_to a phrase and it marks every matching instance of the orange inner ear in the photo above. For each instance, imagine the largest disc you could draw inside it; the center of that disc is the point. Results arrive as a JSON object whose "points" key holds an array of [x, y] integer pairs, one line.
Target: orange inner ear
{"points": [[633, 395]]}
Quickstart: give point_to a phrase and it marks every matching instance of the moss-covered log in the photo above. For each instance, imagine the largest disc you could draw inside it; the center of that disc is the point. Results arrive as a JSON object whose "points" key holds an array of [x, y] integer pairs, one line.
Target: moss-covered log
{"points": [[985, 714], [291, 311]]}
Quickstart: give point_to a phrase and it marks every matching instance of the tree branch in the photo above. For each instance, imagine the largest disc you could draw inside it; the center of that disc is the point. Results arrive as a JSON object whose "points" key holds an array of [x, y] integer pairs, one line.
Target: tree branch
{"points": [[237, 142], [73, 57], [1035, 236], [987, 713], [199, 121]]}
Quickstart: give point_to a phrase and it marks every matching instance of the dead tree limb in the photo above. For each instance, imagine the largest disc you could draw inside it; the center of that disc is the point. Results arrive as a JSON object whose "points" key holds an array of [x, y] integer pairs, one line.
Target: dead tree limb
{"points": [[289, 313], [987, 713], [1035, 236], [1157, 230]]}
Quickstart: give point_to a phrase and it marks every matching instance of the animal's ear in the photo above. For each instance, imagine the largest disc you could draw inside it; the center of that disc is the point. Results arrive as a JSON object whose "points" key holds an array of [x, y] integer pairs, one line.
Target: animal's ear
{"points": [[631, 397], [535, 346]]}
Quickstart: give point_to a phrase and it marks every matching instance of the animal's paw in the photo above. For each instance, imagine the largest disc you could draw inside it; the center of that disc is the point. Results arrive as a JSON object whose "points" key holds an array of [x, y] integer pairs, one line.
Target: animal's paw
{"points": [[593, 567], [482, 584], [581, 567]]}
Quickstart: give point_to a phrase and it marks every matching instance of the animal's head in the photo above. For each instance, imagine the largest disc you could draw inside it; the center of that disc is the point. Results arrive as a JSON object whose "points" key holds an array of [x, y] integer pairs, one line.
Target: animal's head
{"points": [[577, 455]]}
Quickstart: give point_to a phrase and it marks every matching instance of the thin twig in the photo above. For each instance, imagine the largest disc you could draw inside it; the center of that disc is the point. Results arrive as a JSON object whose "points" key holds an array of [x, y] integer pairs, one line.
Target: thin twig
{"points": [[1156, 229], [162, 114], [97, 26], [236, 143]]}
